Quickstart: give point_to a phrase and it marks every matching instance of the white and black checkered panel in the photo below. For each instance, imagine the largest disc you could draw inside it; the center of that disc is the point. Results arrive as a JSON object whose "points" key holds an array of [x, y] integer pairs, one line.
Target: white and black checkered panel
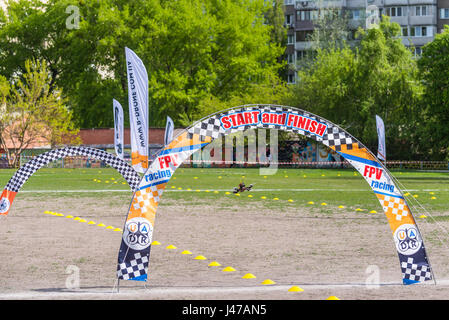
{"points": [[29, 168], [134, 268], [333, 137], [415, 272]]}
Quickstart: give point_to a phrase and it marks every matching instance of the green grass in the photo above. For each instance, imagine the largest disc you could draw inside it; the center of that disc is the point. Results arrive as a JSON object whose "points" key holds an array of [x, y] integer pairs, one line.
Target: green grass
{"points": [[332, 186]]}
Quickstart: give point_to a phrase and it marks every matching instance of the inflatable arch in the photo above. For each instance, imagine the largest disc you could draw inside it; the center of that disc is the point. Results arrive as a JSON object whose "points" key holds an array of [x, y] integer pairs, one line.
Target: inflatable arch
{"points": [[28, 169], [134, 252]]}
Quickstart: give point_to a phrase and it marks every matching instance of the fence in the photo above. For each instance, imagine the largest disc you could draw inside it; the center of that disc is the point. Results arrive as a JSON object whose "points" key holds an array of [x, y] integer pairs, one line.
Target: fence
{"points": [[87, 162]]}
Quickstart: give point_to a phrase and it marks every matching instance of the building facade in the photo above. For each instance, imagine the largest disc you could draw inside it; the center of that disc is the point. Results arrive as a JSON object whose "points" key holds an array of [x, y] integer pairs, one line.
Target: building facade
{"points": [[420, 20]]}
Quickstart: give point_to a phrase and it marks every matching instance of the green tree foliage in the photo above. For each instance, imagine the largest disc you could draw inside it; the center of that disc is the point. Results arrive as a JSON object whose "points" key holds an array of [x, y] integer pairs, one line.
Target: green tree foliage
{"points": [[31, 112], [433, 123], [192, 49], [350, 86]]}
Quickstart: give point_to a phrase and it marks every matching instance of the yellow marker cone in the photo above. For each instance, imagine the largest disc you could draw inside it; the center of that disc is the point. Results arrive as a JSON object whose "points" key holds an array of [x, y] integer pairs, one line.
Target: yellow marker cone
{"points": [[263, 197], [250, 196], [237, 194], [82, 220], [324, 204], [188, 189], [207, 190], [228, 269], [248, 276], [195, 178], [358, 209], [290, 200], [179, 188], [186, 252], [69, 216], [117, 229], [91, 222], [407, 194], [332, 298], [170, 247], [431, 192], [200, 257], [310, 202], [285, 176], [77, 218], [295, 289], [155, 243], [215, 191], [268, 282], [198, 190], [214, 264], [227, 192], [373, 211], [101, 225], [422, 216], [415, 196], [433, 198], [264, 177], [173, 187], [110, 227], [341, 207], [275, 198], [219, 177]]}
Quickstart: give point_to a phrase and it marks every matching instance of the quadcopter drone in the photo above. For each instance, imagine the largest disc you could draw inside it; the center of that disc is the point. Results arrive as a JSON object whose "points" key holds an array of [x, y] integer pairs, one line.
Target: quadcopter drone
{"points": [[242, 188]]}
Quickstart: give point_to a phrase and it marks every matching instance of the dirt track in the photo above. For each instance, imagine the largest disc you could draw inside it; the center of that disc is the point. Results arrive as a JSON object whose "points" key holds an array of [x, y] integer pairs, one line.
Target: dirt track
{"points": [[323, 254]]}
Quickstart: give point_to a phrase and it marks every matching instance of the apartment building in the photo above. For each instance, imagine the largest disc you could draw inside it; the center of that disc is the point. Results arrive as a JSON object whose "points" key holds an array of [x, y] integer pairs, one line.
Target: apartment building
{"points": [[420, 20]]}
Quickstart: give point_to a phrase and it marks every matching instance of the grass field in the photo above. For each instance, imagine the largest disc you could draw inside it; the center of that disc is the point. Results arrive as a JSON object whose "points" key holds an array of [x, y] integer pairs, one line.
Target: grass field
{"points": [[326, 188], [304, 227]]}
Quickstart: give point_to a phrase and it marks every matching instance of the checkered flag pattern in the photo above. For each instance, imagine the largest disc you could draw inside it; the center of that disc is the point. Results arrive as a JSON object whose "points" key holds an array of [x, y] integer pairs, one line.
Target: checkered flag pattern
{"points": [[134, 268], [145, 197], [28, 169], [334, 137], [415, 272], [395, 206]]}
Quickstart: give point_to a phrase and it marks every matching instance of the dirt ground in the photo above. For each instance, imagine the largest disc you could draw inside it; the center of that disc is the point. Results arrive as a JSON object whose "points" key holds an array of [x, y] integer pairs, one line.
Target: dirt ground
{"points": [[337, 254]]}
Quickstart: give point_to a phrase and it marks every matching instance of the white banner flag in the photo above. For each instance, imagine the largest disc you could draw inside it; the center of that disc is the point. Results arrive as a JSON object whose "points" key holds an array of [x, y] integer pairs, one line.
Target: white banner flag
{"points": [[118, 128], [169, 127], [138, 110], [381, 150]]}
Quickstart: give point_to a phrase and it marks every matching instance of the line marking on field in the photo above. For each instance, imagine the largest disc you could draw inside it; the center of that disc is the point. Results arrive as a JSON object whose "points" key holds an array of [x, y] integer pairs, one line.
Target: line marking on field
{"points": [[196, 190]]}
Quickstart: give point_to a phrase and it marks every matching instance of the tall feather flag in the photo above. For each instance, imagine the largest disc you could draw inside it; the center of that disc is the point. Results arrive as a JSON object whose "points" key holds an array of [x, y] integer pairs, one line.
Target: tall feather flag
{"points": [[169, 127], [381, 150], [118, 128], [138, 110]]}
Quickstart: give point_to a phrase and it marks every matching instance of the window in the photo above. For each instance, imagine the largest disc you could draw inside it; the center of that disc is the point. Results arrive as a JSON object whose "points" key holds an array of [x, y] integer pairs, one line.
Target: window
{"points": [[306, 15], [395, 12], [404, 31], [354, 14], [303, 35], [289, 19], [421, 11], [444, 13], [291, 78], [290, 39], [421, 31], [290, 58]]}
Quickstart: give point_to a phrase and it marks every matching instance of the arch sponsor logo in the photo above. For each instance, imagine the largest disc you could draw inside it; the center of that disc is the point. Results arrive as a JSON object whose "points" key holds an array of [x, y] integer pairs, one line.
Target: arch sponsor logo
{"points": [[138, 233], [408, 240], [4, 205]]}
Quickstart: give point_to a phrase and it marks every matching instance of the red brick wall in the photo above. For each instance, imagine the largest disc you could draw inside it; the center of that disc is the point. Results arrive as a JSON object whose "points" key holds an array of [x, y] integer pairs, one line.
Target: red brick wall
{"points": [[106, 136]]}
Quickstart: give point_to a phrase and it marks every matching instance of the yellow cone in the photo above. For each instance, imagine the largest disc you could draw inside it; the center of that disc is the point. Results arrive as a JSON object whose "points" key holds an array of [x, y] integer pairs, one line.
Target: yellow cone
{"points": [[109, 227], [200, 257], [91, 222], [290, 200], [248, 276], [214, 264], [358, 209], [228, 269], [155, 243], [373, 211], [186, 252], [117, 229], [170, 247], [310, 202], [295, 289], [100, 225], [433, 198], [267, 282], [263, 197], [323, 203], [341, 207], [70, 217], [422, 216], [332, 298], [227, 192]]}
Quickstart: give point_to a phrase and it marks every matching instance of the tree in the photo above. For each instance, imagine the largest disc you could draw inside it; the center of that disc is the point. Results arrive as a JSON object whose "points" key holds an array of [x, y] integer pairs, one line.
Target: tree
{"points": [[32, 113], [434, 132], [350, 86], [192, 49]]}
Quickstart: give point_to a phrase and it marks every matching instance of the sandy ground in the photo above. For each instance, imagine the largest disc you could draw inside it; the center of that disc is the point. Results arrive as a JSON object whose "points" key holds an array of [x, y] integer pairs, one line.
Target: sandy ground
{"points": [[337, 254]]}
